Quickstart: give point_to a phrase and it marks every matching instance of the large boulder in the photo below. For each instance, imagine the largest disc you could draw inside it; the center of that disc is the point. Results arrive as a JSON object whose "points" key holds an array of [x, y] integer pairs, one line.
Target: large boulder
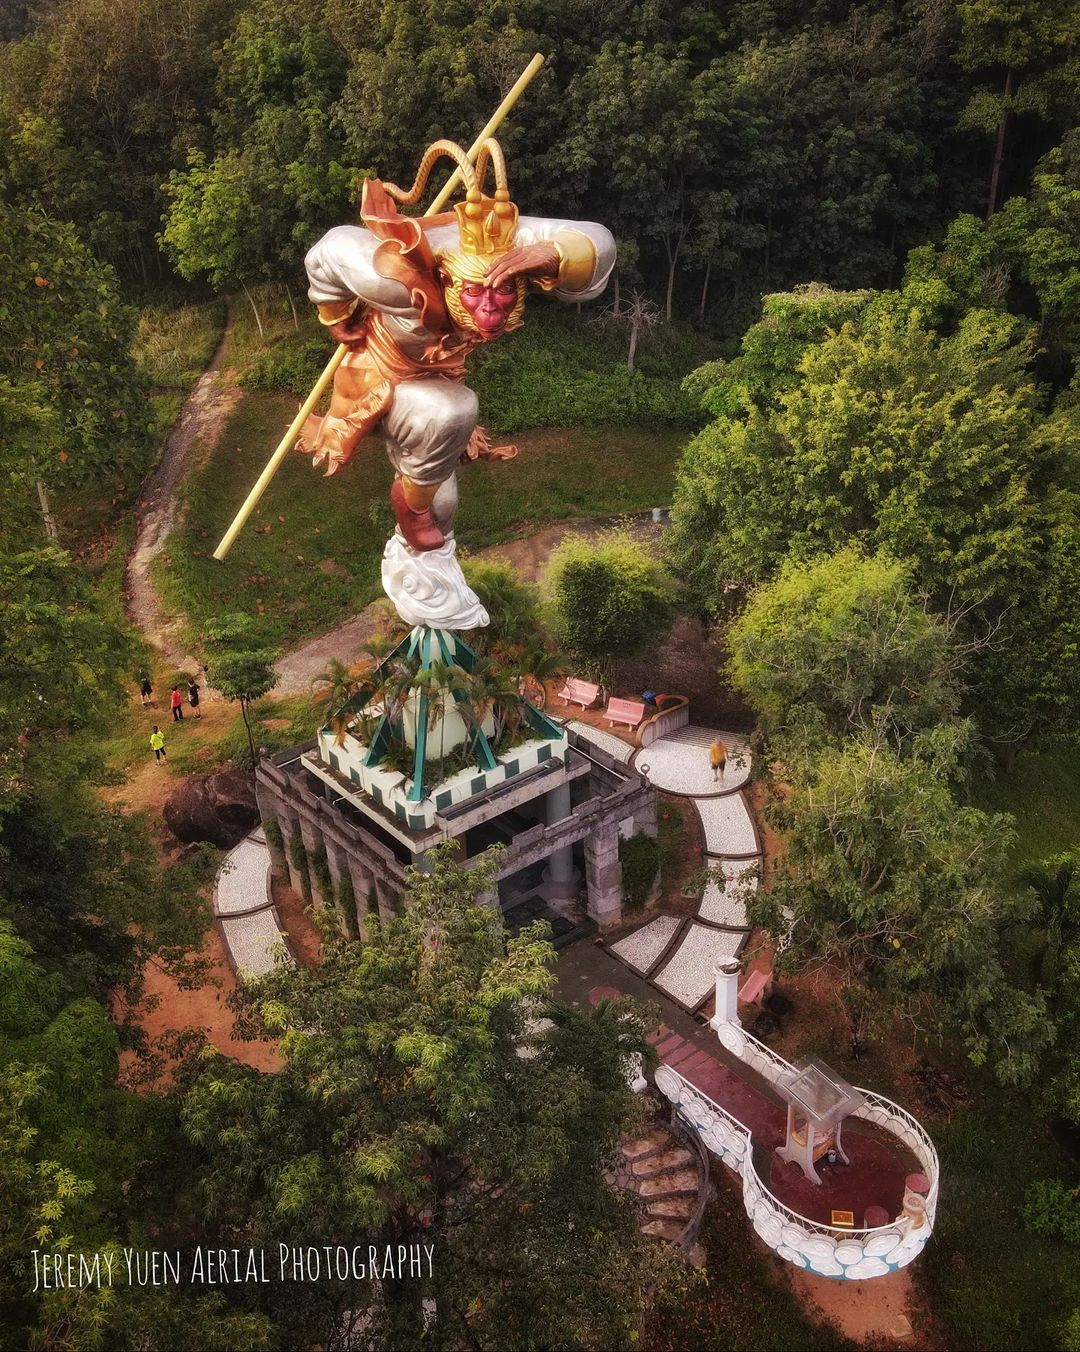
{"points": [[219, 808]]}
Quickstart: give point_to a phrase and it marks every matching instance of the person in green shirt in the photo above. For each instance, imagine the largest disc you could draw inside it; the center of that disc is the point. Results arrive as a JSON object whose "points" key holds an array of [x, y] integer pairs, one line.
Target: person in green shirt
{"points": [[157, 742]]}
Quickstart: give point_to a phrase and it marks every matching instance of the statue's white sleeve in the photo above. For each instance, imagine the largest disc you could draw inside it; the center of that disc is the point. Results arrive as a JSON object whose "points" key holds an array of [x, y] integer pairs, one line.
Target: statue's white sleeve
{"points": [[341, 275], [586, 253]]}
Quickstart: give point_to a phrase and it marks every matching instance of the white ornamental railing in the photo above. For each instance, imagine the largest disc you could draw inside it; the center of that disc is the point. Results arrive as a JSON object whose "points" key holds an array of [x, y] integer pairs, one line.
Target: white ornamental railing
{"points": [[854, 1254]]}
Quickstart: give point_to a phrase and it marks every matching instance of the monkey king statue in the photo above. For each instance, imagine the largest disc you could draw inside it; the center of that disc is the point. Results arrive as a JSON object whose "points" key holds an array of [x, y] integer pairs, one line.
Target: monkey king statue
{"points": [[411, 297]]}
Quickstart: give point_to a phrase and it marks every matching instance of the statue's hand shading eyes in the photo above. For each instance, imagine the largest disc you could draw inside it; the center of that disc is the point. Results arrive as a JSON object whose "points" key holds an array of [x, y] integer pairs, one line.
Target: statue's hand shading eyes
{"points": [[530, 260]]}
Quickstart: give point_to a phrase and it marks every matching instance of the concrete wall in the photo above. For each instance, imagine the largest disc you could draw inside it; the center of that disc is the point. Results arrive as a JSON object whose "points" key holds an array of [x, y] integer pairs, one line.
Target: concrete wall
{"points": [[286, 795]]}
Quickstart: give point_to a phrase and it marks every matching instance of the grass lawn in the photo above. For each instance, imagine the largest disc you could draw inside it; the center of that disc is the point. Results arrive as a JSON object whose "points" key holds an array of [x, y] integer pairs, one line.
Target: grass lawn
{"points": [[1043, 793], [196, 746], [991, 1283], [311, 554]]}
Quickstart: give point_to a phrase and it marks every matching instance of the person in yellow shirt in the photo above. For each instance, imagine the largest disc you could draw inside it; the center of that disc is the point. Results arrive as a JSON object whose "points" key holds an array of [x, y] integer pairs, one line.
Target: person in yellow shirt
{"points": [[157, 743], [718, 759]]}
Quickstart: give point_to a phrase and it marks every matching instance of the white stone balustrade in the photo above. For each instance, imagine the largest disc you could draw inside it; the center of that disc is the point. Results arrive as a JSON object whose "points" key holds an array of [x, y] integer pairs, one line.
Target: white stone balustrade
{"points": [[850, 1255]]}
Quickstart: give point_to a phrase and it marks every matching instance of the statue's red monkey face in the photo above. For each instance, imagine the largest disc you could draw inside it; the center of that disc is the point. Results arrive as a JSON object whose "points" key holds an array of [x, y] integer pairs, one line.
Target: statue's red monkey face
{"points": [[490, 306], [475, 308]]}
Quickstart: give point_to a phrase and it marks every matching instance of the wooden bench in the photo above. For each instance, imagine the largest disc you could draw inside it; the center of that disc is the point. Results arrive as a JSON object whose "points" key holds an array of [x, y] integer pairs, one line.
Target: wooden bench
{"points": [[754, 988], [628, 711], [579, 692]]}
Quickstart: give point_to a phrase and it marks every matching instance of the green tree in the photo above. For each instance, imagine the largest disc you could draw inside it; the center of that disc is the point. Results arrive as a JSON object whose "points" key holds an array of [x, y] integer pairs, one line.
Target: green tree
{"points": [[610, 600], [97, 104], [1034, 44], [843, 645], [1056, 885], [888, 880], [1055, 929], [1023, 258], [771, 351], [404, 1111], [82, 1164], [927, 447], [276, 179], [1026, 682], [67, 347], [241, 666], [60, 658]]}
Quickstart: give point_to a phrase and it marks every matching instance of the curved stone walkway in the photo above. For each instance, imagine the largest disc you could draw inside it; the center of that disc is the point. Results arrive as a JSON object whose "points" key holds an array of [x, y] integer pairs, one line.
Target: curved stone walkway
{"points": [[245, 910], [606, 741], [677, 954], [679, 763]]}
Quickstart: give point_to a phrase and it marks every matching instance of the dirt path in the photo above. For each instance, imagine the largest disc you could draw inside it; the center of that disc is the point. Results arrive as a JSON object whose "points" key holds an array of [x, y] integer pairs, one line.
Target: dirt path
{"points": [[201, 419], [529, 557]]}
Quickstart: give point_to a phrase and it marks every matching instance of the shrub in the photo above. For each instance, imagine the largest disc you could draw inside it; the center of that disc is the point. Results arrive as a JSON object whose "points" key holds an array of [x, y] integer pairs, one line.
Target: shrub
{"points": [[610, 598], [320, 870], [557, 372], [346, 902], [1051, 1207], [640, 859]]}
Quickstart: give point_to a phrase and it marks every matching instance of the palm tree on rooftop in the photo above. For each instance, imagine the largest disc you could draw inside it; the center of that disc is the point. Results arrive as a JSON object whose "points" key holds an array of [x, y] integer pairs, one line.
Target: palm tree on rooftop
{"points": [[538, 665], [335, 687]]}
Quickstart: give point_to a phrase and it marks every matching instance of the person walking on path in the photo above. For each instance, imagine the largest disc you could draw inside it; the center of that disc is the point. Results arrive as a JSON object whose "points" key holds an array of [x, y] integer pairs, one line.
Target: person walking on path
{"points": [[146, 690], [193, 696], [157, 744], [718, 760], [176, 703]]}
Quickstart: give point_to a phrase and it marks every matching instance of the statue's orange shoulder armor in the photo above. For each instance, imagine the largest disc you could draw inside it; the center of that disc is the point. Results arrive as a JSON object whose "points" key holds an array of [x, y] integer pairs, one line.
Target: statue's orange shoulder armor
{"points": [[405, 255]]}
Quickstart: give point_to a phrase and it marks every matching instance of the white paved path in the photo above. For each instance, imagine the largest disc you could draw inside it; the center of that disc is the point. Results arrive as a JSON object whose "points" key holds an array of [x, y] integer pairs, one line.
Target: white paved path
{"points": [[680, 763], [245, 908], [678, 955]]}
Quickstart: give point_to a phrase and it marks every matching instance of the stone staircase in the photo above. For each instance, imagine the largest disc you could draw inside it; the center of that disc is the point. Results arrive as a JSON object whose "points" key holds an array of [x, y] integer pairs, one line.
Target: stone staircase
{"points": [[668, 1178]]}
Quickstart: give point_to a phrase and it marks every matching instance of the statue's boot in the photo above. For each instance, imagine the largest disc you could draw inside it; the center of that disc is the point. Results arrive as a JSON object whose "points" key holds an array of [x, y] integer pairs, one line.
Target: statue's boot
{"points": [[417, 522]]}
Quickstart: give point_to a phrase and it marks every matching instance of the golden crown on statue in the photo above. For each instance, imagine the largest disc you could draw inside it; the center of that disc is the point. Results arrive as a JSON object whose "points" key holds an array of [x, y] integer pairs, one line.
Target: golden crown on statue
{"points": [[486, 224]]}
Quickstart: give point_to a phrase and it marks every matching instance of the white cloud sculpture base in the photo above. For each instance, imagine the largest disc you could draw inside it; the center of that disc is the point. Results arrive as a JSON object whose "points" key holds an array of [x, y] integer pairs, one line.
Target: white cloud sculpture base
{"points": [[428, 587]]}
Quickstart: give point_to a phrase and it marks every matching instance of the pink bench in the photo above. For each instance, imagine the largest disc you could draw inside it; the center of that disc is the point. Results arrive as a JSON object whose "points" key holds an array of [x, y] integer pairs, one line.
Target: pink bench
{"points": [[754, 987], [628, 711], [579, 692]]}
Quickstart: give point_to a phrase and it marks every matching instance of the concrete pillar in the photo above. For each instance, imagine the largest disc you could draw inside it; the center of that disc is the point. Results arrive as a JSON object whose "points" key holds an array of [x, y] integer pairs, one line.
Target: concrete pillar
{"points": [[338, 863], [560, 878], [388, 899], [726, 972], [270, 809], [312, 838], [645, 817], [290, 825], [363, 885], [603, 876]]}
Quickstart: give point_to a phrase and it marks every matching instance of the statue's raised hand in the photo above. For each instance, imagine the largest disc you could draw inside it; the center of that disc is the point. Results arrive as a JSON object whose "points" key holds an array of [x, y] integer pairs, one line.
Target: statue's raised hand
{"points": [[530, 260]]}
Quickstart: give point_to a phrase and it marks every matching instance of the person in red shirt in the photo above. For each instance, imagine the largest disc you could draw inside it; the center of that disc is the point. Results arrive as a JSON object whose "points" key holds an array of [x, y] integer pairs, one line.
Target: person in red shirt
{"points": [[176, 703]]}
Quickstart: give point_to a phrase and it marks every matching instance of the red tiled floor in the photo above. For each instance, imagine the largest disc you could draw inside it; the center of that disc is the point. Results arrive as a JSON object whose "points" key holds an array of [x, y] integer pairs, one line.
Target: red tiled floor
{"points": [[878, 1166], [875, 1177], [697, 1062]]}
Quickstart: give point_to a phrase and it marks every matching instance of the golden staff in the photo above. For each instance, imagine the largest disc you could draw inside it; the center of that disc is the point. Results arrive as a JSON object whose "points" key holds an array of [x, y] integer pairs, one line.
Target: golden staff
{"points": [[286, 442]]}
